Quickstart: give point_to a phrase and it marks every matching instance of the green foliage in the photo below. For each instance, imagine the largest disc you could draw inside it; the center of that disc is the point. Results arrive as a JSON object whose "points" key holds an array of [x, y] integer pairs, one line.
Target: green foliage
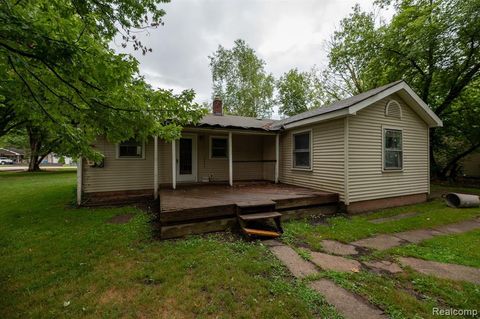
{"points": [[58, 72], [434, 46], [240, 79], [298, 92]]}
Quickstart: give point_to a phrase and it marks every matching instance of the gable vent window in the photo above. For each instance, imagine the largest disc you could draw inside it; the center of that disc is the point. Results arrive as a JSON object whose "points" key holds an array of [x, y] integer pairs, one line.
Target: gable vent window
{"points": [[302, 150], [393, 109], [131, 149]]}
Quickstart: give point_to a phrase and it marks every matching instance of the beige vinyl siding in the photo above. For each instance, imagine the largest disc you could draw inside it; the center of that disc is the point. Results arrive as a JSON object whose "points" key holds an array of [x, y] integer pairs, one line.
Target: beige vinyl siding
{"points": [[366, 179], [328, 171], [214, 168], [119, 174]]}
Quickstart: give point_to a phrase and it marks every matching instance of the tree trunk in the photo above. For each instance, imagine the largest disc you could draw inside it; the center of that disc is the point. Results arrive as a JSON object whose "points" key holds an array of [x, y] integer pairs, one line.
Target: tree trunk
{"points": [[450, 169], [35, 141]]}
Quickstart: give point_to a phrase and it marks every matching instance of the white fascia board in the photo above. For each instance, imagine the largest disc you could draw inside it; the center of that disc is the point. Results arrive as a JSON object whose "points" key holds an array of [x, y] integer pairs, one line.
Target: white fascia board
{"points": [[422, 109]]}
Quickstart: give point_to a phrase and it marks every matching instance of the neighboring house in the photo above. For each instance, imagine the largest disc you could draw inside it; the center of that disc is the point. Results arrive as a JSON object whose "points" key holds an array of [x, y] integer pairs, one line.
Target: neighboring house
{"points": [[14, 154], [371, 149], [471, 165], [53, 158]]}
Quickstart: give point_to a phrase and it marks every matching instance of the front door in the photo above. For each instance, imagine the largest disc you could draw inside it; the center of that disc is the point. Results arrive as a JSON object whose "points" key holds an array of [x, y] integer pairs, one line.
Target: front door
{"points": [[187, 158]]}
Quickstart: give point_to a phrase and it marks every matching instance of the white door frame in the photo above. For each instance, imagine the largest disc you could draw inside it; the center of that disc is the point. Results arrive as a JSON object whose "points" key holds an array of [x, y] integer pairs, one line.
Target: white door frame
{"points": [[190, 177]]}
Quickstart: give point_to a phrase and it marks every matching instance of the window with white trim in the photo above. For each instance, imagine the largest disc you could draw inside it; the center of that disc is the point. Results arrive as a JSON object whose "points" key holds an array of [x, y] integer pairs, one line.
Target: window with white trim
{"points": [[302, 150], [131, 149], [218, 147], [392, 149]]}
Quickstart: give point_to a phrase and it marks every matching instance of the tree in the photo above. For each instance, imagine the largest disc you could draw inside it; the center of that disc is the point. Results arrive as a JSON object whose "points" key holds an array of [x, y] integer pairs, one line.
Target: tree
{"points": [[434, 46], [298, 92], [57, 72], [240, 79]]}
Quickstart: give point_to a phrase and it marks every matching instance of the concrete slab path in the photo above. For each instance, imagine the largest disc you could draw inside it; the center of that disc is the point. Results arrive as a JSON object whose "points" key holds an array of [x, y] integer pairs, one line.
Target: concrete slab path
{"points": [[379, 242], [442, 270], [384, 265], [338, 248], [299, 267], [348, 304], [336, 263]]}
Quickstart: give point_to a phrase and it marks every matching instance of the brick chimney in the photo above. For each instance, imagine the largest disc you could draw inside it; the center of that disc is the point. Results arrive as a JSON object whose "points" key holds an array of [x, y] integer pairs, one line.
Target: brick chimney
{"points": [[217, 108]]}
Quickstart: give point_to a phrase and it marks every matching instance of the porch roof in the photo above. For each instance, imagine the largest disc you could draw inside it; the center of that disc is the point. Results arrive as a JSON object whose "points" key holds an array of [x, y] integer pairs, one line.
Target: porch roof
{"points": [[234, 121]]}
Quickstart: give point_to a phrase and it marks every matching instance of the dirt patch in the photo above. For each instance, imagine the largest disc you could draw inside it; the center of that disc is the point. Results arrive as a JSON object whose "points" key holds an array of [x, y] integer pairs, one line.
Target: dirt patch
{"points": [[121, 219], [394, 218]]}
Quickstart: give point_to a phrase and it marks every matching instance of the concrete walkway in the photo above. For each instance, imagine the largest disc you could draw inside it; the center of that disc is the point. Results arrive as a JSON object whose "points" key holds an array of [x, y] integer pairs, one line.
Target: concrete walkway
{"points": [[346, 303], [442, 270], [351, 306], [386, 241]]}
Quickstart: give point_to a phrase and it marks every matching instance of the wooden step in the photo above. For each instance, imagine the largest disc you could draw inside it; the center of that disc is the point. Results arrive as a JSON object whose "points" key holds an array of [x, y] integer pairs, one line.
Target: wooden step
{"points": [[258, 216], [261, 232], [255, 206]]}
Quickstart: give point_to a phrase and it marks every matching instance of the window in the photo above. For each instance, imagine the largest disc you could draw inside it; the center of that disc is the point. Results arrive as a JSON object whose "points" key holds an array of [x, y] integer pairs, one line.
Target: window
{"points": [[302, 150], [218, 147], [131, 149], [392, 149]]}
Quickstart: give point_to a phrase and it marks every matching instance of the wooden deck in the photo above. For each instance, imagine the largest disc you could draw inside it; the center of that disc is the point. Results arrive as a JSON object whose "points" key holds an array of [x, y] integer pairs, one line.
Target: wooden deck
{"points": [[204, 208]]}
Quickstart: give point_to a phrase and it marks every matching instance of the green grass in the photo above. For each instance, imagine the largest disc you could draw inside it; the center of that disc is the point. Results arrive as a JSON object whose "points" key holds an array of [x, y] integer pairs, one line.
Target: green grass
{"points": [[409, 294], [347, 229], [454, 249], [60, 261]]}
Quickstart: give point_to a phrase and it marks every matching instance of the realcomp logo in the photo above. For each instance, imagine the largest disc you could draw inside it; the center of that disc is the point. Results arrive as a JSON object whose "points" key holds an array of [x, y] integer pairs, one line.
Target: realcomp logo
{"points": [[455, 312]]}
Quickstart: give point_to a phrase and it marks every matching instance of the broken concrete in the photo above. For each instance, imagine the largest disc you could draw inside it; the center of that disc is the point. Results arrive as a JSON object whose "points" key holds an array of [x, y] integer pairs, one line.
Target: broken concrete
{"points": [[299, 267], [348, 304], [384, 265], [442, 270], [335, 263], [418, 235], [379, 242], [460, 227], [338, 248], [393, 218]]}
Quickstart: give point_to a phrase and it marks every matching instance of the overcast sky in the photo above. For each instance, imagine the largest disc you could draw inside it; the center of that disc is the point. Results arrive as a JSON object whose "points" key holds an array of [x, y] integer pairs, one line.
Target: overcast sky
{"points": [[284, 33]]}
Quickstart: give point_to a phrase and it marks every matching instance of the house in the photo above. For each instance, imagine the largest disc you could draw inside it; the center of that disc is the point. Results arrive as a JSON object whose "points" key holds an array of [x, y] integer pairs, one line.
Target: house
{"points": [[14, 154], [370, 150]]}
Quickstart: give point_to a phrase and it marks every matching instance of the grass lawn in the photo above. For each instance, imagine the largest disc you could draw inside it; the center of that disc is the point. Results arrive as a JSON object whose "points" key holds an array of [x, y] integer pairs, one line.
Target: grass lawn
{"points": [[347, 229], [60, 261], [462, 249]]}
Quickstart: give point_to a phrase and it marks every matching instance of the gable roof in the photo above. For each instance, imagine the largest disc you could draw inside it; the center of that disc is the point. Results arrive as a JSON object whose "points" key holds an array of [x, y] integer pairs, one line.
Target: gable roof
{"points": [[349, 106], [234, 121], [355, 103]]}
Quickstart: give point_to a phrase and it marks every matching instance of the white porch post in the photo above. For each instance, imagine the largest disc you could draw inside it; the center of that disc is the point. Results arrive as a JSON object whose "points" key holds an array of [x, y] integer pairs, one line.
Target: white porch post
{"points": [[230, 160], [155, 167], [174, 165], [277, 157]]}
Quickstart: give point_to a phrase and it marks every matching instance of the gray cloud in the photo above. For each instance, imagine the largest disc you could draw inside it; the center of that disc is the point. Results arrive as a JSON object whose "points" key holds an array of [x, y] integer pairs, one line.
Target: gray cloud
{"points": [[285, 33]]}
